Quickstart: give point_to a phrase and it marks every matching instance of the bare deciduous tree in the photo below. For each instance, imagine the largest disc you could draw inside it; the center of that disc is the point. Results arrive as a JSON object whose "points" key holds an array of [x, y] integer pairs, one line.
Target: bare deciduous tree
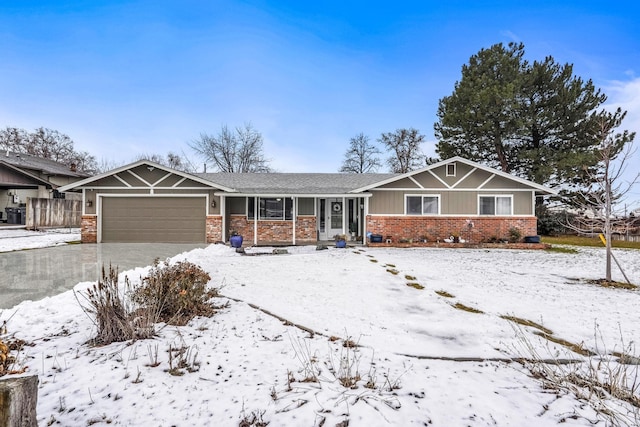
{"points": [[233, 151], [405, 147], [361, 157], [604, 196], [172, 160]]}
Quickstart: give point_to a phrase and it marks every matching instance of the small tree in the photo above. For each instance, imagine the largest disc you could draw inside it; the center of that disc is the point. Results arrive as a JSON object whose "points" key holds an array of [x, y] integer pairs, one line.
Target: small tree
{"points": [[233, 151], [361, 157], [404, 145], [607, 188]]}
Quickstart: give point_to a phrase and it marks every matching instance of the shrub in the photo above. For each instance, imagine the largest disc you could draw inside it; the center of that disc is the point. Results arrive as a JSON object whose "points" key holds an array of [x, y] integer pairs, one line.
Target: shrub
{"points": [[113, 311], [514, 235], [179, 291]]}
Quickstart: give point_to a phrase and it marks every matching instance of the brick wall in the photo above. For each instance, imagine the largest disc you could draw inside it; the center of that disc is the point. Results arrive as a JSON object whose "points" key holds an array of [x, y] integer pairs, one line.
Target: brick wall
{"points": [[240, 225], [306, 229], [89, 229], [439, 228], [275, 231], [214, 229]]}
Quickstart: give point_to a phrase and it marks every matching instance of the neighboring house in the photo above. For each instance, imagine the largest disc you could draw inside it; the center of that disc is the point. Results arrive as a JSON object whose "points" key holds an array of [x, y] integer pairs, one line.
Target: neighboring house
{"points": [[24, 176], [147, 202]]}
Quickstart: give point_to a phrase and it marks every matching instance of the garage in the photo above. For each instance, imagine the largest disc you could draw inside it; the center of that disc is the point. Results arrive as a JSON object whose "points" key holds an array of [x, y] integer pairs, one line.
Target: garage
{"points": [[153, 219]]}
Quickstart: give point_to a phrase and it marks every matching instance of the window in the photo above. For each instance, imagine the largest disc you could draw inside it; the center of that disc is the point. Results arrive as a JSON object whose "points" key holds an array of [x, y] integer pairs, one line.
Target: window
{"points": [[271, 208], [422, 205], [451, 169], [495, 205]]}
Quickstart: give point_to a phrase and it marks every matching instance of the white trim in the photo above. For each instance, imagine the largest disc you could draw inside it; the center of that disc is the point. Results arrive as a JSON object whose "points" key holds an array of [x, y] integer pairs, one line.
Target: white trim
{"points": [[486, 181], [446, 169], [130, 172], [163, 178], [447, 186], [422, 196], [445, 216], [155, 188], [301, 195], [223, 213], [452, 190], [417, 183], [459, 159], [495, 196], [179, 182], [114, 172], [464, 177], [295, 217], [126, 184]]}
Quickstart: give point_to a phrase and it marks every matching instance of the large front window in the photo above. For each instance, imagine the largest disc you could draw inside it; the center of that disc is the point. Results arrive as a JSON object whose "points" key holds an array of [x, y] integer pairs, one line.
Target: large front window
{"points": [[422, 205], [496, 205], [270, 208]]}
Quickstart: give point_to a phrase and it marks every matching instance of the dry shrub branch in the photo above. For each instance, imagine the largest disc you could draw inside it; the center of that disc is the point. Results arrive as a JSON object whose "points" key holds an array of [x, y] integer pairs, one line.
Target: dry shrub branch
{"points": [[173, 294]]}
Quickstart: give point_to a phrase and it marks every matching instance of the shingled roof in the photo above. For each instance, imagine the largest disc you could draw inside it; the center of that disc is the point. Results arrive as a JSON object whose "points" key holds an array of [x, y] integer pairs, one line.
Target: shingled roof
{"points": [[295, 183], [38, 164]]}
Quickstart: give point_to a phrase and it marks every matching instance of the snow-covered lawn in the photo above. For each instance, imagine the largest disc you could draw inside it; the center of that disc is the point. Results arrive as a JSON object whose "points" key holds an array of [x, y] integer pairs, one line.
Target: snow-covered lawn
{"points": [[418, 360], [12, 239]]}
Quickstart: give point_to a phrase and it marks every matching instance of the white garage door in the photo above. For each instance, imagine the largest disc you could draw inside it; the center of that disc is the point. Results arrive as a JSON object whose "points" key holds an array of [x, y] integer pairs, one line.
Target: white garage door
{"points": [[154, 219]]}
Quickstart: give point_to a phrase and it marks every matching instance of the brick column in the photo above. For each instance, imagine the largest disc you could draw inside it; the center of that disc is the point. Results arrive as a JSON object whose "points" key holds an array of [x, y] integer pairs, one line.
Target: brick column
{"points": [[89, 229]]}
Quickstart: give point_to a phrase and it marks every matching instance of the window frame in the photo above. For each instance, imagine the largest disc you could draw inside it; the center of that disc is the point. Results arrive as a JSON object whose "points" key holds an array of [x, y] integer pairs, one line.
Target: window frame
{"points": [[287, 208], [495, 204], [447, 169], [422, 197]]}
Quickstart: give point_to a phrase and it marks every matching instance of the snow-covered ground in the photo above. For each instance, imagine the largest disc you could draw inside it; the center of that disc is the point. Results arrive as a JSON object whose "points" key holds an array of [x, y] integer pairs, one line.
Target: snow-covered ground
{"points": [[12, 239], [420, 356]]}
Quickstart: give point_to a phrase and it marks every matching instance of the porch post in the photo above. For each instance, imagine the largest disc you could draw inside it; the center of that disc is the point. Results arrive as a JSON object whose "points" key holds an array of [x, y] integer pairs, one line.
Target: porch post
{"points": [[344, 215], [223, 210], [294, 216], [364, 220], [255, 220]]}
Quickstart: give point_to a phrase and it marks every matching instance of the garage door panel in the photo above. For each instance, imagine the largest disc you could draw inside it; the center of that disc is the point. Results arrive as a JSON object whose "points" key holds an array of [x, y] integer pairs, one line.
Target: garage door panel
{"points": [[154, 219]]}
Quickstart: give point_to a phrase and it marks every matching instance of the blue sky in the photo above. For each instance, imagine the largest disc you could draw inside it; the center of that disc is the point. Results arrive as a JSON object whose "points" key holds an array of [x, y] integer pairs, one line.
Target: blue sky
{"points": [[123, 78]]}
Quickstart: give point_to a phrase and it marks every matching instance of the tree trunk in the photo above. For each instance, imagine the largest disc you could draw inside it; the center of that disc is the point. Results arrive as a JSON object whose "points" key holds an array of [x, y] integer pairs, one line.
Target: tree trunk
{"points": [[18, 398]]}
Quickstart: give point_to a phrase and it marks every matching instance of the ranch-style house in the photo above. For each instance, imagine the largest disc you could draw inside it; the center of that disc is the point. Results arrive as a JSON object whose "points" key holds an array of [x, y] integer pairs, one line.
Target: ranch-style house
{"points": [[147, 202]]}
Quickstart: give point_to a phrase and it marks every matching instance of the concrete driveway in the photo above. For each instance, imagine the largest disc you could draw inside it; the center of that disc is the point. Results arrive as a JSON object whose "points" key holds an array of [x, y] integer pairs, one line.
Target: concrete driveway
{"points": [[38, 273]]}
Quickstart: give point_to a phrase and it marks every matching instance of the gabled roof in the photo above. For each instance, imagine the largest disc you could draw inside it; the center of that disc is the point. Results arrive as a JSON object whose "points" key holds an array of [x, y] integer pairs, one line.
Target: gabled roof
{"points": [[33, 163], [36, 179], [540, 189], [148, 163], [294, 183]]}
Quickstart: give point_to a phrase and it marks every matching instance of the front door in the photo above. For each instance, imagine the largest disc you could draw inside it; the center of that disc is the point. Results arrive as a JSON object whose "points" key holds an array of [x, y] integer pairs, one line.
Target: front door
{"points": [[331, 214]]}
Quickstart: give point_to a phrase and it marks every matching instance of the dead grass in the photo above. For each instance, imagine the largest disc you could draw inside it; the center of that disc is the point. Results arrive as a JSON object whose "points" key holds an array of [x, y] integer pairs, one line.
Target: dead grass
{"points": [[576, 348], [410, 278], [445, 294], [415, 285], [526, 322], [587, 241], [466, 308], [562, 250], [612, 284]]}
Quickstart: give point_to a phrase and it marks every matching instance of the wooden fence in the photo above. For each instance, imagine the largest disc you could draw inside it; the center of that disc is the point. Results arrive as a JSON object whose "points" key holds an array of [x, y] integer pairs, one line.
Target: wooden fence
{"points": [[43, 213]]}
